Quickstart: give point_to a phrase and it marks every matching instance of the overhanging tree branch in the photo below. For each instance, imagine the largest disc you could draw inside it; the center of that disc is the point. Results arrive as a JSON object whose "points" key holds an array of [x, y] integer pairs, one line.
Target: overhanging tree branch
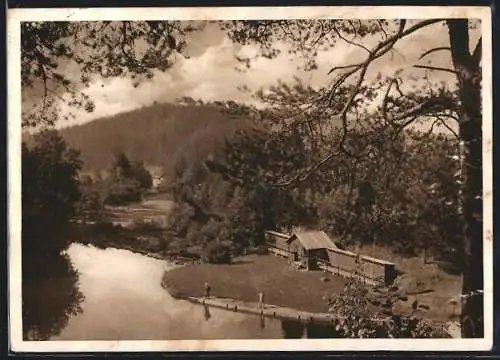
{"points": [[428, 52], [379, 50], [436, 68], [408, 116]]}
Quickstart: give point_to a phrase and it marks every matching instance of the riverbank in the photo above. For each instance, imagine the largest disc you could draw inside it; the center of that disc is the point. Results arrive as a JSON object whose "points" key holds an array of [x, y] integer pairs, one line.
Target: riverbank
{"points": [[286, 287], [251, 274]]}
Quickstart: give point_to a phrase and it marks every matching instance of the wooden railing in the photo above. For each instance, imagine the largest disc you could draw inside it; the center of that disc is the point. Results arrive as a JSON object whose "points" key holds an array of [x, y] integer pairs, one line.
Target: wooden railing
{"points": [[351, 273], [278, 251]]}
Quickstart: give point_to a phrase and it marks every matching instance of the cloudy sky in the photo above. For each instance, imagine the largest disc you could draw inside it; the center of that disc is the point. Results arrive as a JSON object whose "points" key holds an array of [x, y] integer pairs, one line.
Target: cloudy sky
{"points": [[210, 72]]}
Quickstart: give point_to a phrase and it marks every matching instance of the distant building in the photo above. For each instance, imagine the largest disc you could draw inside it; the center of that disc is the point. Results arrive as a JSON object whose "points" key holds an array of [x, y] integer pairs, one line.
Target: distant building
{"points": [[157, 181], [157, 176]]}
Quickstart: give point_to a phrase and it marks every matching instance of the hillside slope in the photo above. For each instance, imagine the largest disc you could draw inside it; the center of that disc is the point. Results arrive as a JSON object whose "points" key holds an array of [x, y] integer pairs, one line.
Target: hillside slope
{"points": [[159, 135]]}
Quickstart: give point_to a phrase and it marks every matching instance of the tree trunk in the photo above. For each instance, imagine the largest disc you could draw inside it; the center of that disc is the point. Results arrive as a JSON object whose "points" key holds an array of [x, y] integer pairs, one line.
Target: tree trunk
{"points": [[468, 70]]}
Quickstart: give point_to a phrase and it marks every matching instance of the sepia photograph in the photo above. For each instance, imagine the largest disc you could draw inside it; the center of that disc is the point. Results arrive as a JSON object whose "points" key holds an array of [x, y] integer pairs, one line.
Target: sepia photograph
{"points": [[280, 178]]}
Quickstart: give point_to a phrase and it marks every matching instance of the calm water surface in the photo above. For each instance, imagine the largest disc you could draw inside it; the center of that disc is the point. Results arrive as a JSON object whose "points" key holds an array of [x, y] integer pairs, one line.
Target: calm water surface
{"points": [[124, 300]]}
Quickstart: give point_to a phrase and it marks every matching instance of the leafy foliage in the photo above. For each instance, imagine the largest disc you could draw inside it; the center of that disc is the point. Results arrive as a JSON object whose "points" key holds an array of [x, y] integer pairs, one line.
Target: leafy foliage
{"points": [[216, 253], [404, 195], [127, 183], [359, 318], [49, 197], [50, 192]]}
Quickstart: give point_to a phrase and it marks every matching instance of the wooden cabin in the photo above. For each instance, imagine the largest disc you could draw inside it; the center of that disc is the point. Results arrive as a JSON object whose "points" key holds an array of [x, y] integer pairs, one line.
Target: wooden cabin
{"points": [[315, 250], [309, 247]]}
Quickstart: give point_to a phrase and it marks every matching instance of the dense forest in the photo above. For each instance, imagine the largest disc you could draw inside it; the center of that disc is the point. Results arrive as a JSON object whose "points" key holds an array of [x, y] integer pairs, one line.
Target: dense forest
{"points": [[404, 195], [232, 175]]}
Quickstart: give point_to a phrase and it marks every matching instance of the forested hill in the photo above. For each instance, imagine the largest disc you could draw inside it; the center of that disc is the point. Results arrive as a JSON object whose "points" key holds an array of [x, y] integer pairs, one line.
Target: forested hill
{"points": [[161, 135]]}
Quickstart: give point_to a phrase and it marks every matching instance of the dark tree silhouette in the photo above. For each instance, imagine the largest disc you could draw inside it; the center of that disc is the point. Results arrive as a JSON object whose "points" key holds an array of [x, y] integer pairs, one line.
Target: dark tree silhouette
{"points": [[49, 196]]}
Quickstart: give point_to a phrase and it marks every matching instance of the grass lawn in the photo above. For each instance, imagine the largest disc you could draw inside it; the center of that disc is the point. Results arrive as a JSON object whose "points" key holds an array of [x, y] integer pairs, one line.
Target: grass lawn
{"points": [[284, 286], [243, 280]]}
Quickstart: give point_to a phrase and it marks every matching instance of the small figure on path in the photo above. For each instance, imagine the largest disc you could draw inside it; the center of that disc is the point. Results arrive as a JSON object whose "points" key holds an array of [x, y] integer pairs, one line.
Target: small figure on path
{"points": [[207, 290], [261, 300]]}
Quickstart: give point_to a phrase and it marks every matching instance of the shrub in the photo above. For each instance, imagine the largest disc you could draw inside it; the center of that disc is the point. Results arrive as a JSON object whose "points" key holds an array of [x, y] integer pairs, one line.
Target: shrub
{"points": [[355, 308], [216, 253], [122, 191], [261, 250]]}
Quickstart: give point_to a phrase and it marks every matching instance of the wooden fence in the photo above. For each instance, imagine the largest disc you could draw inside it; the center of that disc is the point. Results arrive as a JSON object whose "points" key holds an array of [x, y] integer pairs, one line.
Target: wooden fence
{"points": [[278, 251], [349, 273], [347, 264]]}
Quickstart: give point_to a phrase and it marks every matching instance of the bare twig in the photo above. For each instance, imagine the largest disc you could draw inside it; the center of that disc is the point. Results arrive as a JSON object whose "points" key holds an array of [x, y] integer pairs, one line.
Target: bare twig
{"points": [[443, 122], [425, 107], [441, 48], [307, 173], [381, 27], [435, 68], [350, 41]]}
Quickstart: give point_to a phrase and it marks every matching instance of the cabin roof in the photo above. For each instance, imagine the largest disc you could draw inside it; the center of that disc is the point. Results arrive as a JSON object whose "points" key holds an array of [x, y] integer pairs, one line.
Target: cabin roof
{"points": [[313, 240], [344, 252], [278, 234], [377, 261]]}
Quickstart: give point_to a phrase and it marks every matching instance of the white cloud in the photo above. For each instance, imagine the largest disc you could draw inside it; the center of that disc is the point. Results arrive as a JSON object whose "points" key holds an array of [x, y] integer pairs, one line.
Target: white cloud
{"points": [[210, 73]]}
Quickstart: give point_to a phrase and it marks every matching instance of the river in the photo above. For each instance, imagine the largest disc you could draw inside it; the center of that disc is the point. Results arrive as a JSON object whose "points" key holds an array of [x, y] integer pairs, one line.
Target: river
{"points": [[124, 300]]}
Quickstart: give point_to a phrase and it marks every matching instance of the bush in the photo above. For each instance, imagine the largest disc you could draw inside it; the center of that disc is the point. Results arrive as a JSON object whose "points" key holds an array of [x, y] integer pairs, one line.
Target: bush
{"points": [[216, 253], [123, 193], [262, 250], [358, 321]]}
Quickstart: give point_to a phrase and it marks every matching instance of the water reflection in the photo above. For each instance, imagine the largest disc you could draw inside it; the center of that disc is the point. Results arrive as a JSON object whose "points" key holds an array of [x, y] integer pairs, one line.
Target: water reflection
{"points": [[50, 296], [262, 323], [317, 331], [124, 300], [296, 330], [206, 312], [292, 329]]}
